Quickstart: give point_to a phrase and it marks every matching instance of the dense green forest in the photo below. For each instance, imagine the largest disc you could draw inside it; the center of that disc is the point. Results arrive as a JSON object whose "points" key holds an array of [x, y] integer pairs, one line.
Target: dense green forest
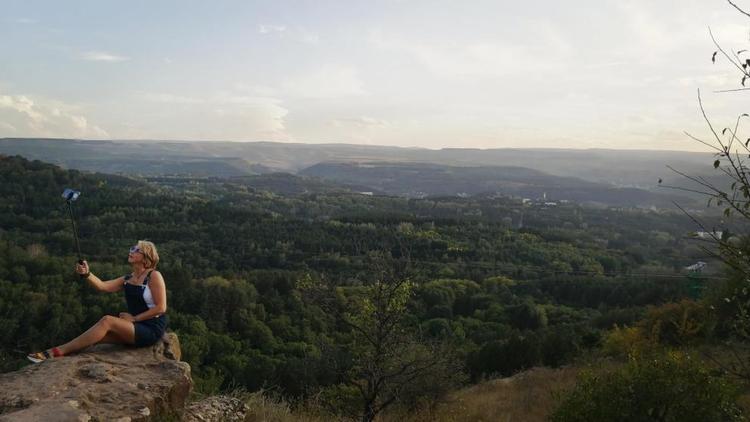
{"points": [[270, 290]]}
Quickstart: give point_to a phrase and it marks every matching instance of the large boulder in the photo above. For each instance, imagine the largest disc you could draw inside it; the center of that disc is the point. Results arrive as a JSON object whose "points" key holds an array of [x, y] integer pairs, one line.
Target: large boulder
{"points": [[103, 383]]}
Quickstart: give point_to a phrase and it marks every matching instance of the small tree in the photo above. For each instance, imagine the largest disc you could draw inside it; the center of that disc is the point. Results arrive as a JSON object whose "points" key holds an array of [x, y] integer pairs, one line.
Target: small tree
{"points": [[732, 196], [388, 361]]}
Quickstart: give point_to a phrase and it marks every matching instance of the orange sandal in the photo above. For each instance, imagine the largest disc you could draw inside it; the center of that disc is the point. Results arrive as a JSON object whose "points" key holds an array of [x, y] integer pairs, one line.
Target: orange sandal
{"points": [[44, 355]]}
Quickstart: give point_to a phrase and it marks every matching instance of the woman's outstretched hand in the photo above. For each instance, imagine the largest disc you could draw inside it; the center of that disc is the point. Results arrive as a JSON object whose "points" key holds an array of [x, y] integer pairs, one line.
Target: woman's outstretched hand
{"points": [[126, 316], [82, 269]]}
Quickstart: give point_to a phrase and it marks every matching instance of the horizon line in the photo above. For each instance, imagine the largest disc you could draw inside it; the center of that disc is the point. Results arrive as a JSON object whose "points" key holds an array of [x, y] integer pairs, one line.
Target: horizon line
{"points": [[333, 144]]}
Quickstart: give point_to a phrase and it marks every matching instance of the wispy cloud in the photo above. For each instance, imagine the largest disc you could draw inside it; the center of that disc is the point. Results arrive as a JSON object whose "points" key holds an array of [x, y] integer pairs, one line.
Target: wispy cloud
{"points": [[102, 56], [225, 115], [295, 34], [25, 21], [256, 90], [268, 29], [466, 58], [251, 118], [361, 122], [170, 98], [306, 37], [326, 81], [7, 129]]}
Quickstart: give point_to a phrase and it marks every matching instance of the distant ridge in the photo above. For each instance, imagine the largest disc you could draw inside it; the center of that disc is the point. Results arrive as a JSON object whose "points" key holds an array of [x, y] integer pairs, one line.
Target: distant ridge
{"points": [[621, 168], [426, 180]]}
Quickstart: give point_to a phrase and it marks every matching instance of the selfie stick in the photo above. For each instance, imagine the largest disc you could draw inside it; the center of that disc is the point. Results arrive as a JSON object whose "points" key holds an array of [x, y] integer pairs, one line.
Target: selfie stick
{"points": [[71, 195]]}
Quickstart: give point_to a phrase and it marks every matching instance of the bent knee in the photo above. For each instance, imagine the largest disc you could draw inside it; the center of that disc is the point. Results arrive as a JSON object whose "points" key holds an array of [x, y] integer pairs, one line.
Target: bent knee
{"points": [[107, 321]]}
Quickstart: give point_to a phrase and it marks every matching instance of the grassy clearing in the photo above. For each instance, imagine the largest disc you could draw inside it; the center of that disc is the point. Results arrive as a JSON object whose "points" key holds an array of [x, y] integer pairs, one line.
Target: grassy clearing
{"points": [[528, 396]]}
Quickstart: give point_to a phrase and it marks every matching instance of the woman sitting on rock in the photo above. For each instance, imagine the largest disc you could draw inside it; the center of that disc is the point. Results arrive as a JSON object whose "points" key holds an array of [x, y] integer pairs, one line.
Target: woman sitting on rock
{"points": [[146, 296]]}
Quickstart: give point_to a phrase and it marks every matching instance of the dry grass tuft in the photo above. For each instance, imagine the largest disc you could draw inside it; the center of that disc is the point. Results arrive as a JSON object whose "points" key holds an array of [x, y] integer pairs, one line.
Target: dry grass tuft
{"points": [[267, 407]]}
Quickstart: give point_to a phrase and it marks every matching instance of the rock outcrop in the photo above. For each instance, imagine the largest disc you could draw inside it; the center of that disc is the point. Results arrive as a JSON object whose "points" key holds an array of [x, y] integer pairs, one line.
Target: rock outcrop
{"points": [[216, 409], [103, 383]]}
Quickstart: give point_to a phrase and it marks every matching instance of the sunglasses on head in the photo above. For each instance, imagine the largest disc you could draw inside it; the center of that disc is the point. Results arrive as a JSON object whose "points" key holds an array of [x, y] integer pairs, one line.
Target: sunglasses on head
{"points": [[135, 249]]}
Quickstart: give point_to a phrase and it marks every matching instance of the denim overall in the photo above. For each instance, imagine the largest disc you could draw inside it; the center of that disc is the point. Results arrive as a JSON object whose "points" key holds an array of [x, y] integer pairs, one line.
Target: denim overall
{"points": [[151, 330]]}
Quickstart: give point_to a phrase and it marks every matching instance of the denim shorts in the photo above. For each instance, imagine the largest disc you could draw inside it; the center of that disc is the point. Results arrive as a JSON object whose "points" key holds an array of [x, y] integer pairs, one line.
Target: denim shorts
{"points": [[150, 331]]}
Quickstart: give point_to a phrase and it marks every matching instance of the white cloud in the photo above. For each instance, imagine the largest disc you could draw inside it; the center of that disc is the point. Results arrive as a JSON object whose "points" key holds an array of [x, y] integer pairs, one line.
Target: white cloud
{"points": [[362, 122], [732, 33], [713, 82], [325, 82], [657, 32], [7, 129], [101, 56], [23, 105], [268, 29], [253, 119], [599, 65], [24, 116], [306, 37], [477, 57], [256, 90], [295, 34], [363, 130], [226, 115], [169, 98]]}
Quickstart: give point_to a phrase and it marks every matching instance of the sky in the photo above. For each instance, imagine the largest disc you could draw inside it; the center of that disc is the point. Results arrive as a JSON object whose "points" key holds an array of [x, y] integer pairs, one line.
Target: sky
{"points": [[620, 74]]}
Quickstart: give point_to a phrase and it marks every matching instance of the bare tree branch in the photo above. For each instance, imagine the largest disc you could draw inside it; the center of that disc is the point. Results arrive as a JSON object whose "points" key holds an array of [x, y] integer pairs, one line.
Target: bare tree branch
{"points": [[731, 90], [703, 142], [738, 8], [738, 66]]}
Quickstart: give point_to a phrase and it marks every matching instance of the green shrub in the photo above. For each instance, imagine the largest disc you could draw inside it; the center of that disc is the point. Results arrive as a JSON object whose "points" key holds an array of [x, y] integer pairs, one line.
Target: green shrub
{"points": [[669, 387]]}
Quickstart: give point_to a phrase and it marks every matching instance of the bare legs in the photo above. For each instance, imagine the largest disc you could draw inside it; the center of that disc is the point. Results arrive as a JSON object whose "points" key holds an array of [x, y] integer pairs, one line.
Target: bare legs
{"points": [[109, 329]]}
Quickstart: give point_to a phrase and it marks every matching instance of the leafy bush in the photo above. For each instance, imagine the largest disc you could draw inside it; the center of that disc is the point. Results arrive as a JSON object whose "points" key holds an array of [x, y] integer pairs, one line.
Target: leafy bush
{"points": [[669, 387], [678, 323], [627, 341]]}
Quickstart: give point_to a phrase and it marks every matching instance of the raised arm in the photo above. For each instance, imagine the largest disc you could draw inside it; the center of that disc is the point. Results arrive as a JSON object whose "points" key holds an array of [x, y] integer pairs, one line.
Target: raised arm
{"points": [[108, 286]]}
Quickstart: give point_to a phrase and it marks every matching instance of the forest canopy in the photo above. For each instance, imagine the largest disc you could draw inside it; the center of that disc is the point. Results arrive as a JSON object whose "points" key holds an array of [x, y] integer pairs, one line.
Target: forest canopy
{"points": [[264, 288]]}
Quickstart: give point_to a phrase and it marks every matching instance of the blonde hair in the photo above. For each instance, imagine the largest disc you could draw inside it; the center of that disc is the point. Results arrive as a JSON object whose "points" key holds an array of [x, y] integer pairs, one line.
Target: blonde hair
{"points": [[150, 255]]}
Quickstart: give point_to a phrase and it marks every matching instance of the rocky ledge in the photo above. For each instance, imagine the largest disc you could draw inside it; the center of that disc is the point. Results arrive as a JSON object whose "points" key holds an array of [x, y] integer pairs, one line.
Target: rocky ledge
{"points": [[103, 383]]}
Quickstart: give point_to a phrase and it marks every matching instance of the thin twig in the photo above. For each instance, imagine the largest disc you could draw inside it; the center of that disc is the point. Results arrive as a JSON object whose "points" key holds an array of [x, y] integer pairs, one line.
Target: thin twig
{"points": [[738, 8], [731, 90], [681, 189], [703, 142], [697, 180], [725, 53], [708, 122]]}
